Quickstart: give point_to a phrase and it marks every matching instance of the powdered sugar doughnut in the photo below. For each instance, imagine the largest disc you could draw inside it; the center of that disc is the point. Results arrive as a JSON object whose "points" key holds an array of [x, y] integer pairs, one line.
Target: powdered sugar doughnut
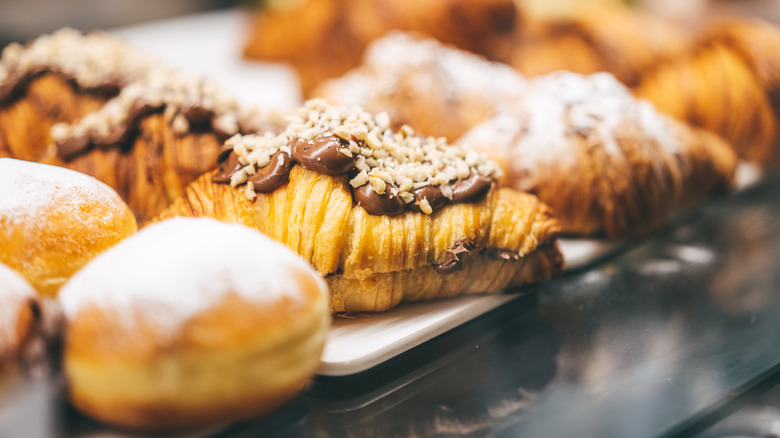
{"points": [[17, 306], [192, 321], [53, 220]]}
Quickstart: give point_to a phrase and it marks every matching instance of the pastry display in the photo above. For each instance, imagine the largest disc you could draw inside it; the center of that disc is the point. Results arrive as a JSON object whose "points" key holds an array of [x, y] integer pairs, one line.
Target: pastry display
{"points": [[438, 89], [92, 104], [325, 38], [728, 83], [603, 160], [190, 322], [621, 41], [54, 220], [385, 216]]}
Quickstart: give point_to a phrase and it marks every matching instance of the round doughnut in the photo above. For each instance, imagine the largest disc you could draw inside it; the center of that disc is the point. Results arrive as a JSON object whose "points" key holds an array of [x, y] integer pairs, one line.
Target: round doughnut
{"points": [[192, 321], [18, 304], [53, 220]]}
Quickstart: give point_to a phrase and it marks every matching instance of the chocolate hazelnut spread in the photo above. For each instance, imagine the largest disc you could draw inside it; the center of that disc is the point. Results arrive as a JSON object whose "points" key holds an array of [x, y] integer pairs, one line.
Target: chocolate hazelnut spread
{"points": [[322, 154], [268, 178], [457, 256], [430, 195], [389, 172], [471, 189], [388, 203]]}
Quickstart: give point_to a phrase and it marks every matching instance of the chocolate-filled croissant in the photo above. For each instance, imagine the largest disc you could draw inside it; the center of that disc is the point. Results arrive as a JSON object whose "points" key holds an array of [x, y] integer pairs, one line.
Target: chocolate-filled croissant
{"points": [[325, 38], [728, 83], [604, 161], [93, 104], [384, 216]]}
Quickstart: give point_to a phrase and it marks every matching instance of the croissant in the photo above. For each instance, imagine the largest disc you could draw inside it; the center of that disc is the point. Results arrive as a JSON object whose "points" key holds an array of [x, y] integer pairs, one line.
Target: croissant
{"points": [[603, 160], [384, 216], [92, 104], [729, 83], [325, 38], [439, 89], [620, 41]]}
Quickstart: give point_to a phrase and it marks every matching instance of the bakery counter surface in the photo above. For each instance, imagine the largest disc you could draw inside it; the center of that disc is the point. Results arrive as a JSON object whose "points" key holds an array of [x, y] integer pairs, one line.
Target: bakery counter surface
{"points": [[663, 339]]}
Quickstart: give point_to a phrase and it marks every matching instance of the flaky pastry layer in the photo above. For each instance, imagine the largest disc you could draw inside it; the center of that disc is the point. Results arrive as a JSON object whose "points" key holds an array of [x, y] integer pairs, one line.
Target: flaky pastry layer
{"points": [[314, 215]]}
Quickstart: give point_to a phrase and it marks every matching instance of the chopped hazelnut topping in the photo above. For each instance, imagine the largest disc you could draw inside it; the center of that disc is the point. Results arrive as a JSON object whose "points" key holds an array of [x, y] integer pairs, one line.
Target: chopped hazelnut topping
{"points": [[396, 161], [425, 206]]}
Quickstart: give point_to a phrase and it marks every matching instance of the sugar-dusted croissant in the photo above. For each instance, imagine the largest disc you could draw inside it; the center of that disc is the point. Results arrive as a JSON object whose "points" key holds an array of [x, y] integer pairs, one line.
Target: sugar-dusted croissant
{"points": [[729, 83], [620, 41], [385, 217], [93, 104], [603, 160], [439, 89], [325, 38]]}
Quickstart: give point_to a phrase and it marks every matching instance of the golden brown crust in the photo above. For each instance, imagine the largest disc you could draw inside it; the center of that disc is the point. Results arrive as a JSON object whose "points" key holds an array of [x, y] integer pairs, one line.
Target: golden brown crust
{"points": [[25, 122], [148, 172], [49, 239], [154, 169], [314, 215], [325, 38], [219, 367], [603, 161], [729, 83], [233, 343]]}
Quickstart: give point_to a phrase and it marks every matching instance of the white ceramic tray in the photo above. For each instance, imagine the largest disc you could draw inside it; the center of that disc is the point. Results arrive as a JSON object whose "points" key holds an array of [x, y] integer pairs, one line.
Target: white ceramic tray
{"points": [[210, 45]]}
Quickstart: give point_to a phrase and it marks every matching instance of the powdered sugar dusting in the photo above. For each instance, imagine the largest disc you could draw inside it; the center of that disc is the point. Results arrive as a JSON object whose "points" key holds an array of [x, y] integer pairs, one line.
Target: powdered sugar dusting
{"points": [[174, 270], [30, 188], [460, 70], [461, 73], [555, 109]]}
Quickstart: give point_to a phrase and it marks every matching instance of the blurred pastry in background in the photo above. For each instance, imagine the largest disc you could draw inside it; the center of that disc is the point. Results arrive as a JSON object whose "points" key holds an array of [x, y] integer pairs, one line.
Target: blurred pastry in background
{"points": [[385, 216], [603, 160], [94, 104], [729, 83], [59, 78], [618, 40], [54, 220], [191, 322], [438, 89], [325, 38]]}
